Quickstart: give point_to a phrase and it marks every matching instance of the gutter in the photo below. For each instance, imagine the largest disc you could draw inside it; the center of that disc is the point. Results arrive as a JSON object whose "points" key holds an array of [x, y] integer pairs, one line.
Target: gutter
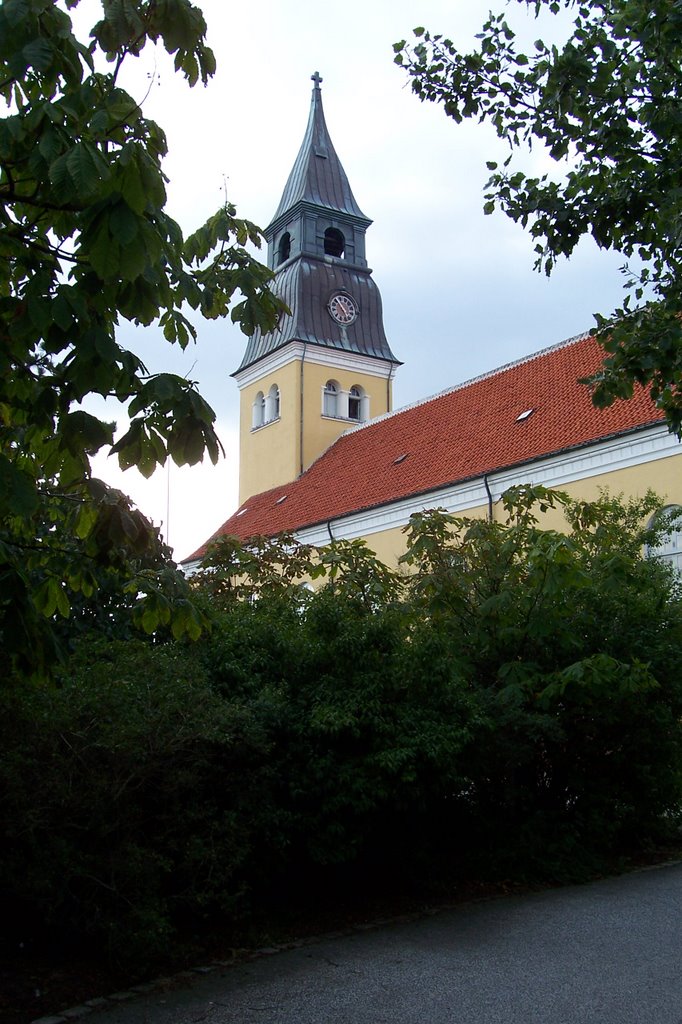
{"points": [[477, 476]]}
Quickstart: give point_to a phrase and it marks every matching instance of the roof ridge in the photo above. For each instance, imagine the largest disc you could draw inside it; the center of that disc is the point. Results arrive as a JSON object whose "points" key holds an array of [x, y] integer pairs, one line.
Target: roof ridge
{"points": [[465, 384]]}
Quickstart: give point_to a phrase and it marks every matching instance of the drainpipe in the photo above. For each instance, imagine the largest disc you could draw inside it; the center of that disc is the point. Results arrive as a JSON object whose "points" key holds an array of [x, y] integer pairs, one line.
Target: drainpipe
{"points": [[490, 498], [301, 415], [332, 572]]}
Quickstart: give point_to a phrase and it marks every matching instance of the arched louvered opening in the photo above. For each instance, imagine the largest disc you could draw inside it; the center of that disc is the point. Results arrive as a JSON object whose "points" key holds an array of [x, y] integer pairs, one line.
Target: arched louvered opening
{"points": [[284, 248], [334, 242]]}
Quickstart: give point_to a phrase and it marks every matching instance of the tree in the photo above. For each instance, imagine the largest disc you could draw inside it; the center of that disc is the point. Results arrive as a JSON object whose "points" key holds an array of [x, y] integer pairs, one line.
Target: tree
{"points": [[569, 640], [607, 106], [379, 734], [85, 242]]}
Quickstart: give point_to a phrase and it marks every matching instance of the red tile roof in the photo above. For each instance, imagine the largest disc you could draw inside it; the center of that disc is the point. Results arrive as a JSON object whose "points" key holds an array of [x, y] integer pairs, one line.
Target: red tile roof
{"points": [[461, 433]]}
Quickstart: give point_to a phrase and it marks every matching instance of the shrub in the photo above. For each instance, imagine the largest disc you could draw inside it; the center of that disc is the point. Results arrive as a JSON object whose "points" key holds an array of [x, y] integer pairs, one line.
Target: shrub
{"points": [[513, 707], [569, 641], [125, 795]]}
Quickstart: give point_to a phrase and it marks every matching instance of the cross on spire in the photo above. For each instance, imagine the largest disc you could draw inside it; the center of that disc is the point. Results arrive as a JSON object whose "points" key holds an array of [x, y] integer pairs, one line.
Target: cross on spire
{"points": [[317, 79]]}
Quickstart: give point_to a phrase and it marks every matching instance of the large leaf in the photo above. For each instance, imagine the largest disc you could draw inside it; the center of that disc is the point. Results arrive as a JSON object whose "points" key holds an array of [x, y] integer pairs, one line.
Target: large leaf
{"points": [[18, 496], [87, 168]]}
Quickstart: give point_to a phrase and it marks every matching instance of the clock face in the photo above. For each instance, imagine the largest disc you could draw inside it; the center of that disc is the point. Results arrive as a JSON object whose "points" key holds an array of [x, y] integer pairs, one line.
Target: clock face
{"points": [[343, 308]]}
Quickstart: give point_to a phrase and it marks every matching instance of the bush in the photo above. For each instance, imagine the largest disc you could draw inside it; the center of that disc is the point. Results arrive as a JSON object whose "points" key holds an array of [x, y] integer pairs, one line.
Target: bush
{"points": [[125, 795], [513, 707], [570, 642]]}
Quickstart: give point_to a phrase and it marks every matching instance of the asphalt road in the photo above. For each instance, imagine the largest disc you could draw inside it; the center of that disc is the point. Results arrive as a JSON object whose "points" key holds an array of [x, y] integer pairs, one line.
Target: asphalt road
{"points": [[604, 953]]}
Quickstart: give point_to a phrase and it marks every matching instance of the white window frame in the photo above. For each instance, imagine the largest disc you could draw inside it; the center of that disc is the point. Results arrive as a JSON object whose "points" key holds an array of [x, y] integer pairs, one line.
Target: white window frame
{"points": [[336, 402], [272, 400], [331, 397], [258, 411], [357, 393]]}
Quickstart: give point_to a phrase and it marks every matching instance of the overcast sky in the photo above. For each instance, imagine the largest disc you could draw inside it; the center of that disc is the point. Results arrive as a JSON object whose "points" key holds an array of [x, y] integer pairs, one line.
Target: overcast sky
{"points": [[459, 291]]}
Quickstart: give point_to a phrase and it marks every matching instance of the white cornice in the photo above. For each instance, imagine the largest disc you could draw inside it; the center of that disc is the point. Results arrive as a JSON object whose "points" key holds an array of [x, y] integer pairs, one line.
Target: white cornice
{"points": [[296, 350], [633, 449]]}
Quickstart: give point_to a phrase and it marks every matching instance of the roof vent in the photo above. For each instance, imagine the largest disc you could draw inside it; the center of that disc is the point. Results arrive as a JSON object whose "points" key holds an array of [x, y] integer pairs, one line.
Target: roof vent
{"points": [[401, 458], [524, 415], [280, 500]]}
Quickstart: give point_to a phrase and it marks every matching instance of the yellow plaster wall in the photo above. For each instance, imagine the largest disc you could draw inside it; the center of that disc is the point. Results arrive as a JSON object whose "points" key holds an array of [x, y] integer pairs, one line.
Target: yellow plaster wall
{"points": [[389, 545], [664, 476], [319, 431], [269, 455]]}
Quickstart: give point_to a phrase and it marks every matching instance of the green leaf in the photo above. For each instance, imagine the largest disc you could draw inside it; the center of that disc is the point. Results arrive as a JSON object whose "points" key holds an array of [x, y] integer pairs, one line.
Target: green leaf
{"points": [[18, 496], [38, 54], [63, 603], [45, 597], [131, 185], [86, 167], [86, 520], [104, 252]]}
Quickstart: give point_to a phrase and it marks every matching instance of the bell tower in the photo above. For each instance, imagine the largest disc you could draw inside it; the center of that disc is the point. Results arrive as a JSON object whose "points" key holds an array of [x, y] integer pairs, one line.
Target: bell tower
{"points": [[328, 365]]}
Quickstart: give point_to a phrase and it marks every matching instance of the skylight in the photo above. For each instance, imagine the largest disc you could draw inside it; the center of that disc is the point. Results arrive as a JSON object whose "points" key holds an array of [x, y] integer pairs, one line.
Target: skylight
{"points": [[401, 458], [280, 500], [524, 415], [243, 510]]}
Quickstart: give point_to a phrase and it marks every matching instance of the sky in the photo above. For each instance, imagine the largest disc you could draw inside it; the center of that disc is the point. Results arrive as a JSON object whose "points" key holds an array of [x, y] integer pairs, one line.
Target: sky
{"points": [[459, 291]]}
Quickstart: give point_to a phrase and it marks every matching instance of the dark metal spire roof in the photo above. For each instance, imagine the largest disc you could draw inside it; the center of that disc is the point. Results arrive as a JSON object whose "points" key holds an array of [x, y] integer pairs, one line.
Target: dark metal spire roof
{"points": [[318, 199], [317, 176], [305, 285]]}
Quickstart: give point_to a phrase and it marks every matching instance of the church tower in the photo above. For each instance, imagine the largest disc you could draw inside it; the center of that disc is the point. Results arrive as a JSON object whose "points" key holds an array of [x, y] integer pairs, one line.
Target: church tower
{"points": [[328, 365]]}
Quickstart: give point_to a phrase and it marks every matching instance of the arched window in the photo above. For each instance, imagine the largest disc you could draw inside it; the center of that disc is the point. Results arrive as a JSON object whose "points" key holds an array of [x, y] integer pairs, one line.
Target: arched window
{"points": [[334, 242], [355, 396], [258, 411], [272, 404], [284, 248], [670, 548], [330, 399]]}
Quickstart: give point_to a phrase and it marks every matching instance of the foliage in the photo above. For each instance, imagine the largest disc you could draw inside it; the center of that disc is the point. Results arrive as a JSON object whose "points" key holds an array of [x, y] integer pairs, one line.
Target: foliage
{"points": [[376, 740], [123, 817], [357, 574], [511, 706], [116, 588], [86, 242], [262, 567], [570, 641], [606, 107]]}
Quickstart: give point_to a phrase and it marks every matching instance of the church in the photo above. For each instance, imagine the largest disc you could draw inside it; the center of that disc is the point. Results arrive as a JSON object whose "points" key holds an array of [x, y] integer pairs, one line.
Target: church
{"points": [[324, 455]]}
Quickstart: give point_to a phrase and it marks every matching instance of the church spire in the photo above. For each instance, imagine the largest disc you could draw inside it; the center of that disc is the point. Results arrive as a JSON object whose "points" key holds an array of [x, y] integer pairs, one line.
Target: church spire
{"points": [[327, 366], [317, 176], [316, 246]]}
